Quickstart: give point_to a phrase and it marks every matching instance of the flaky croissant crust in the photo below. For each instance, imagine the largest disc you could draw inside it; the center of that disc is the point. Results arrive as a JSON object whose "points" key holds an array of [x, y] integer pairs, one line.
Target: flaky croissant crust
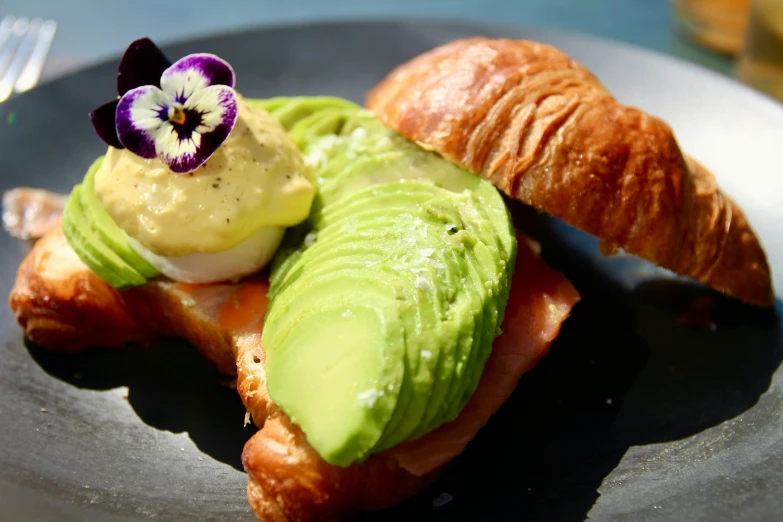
{"points": [[544, 130], [62, 305]]}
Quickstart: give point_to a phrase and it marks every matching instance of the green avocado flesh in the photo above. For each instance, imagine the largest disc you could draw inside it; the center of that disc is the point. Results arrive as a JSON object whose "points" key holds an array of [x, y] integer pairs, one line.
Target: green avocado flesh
{"points": [[88, 245], [98, 241], [384, 304]]}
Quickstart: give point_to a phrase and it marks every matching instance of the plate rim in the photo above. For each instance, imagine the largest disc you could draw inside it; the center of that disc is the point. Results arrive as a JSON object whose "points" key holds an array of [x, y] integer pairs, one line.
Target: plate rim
{"points": [[556, 33], [439, 20]]}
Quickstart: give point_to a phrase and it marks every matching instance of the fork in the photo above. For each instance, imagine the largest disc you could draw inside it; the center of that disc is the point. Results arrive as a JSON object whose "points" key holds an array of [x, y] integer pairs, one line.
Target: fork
{"points": [[24, 45]]}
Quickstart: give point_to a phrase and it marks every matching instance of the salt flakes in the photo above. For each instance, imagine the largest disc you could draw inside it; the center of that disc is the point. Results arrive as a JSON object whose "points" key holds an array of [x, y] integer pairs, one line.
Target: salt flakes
{"points": [[422, 284], [368, 397], [309, 239]]}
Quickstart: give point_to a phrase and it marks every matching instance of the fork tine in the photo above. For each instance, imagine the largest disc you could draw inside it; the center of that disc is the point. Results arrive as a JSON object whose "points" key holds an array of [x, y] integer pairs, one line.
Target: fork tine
{"points": [[5, 29], [15, 35], [23, 50], [32, 70]]}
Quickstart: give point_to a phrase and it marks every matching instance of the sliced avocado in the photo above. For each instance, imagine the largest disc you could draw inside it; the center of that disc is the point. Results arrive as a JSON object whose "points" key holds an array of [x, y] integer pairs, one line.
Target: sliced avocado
{"points": [[107, 230], [481, 278], [352, 250], [473, 285], [351, 236], [385, 167], [290, 249], [357, 139], [465, 315], [343, 334], [306, 294], [371, 128], [392, 231], [498, 258], [380, 196], [479, 359], [394, 165], [329, 154], [424, 375], [483, 272], [427, 350], [269, 104], [322, 123], [296, 296], [88, 246], [370, 221], [410, 304], [349, 366], [297, 108], [345, 251], [491, 203], [316, 296], [487, 264], [78, 244], [455, 325]]}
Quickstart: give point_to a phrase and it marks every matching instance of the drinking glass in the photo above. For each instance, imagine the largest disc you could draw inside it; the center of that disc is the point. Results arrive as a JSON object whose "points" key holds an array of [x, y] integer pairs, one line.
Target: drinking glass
{"points": [[760, 64], [716, 24]]}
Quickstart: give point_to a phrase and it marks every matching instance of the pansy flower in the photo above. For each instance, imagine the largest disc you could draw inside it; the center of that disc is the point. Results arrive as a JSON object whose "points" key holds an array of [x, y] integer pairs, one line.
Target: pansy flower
{"points": [[180, 113]]}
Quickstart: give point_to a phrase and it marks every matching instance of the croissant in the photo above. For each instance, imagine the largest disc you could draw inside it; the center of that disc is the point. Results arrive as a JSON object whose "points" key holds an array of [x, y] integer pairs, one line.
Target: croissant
{"points": [[544, 130], [63, 305], [538, 126]]}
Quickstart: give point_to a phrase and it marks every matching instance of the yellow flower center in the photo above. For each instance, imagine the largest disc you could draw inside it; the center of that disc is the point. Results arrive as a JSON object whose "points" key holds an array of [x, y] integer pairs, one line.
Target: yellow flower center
{"points": [[177, 115]]}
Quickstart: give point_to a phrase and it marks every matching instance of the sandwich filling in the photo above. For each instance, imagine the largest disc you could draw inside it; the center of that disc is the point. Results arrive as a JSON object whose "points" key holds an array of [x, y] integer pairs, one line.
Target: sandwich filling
{"points": [[384, 304], [386, 293]]}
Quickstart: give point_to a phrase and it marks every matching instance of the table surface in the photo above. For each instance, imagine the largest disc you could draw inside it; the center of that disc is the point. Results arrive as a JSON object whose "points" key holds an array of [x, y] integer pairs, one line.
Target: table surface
{"points": [[90, 31]]}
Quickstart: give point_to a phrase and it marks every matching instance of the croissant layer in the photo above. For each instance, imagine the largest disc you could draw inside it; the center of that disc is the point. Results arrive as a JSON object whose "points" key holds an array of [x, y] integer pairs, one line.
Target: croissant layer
{"points": [[62, 305], [544, 130]]}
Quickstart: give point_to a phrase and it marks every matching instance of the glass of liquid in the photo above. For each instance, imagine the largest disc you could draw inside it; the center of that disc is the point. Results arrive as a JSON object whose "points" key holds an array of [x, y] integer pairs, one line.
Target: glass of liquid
{"points": [[760, 64], [716, 24]]}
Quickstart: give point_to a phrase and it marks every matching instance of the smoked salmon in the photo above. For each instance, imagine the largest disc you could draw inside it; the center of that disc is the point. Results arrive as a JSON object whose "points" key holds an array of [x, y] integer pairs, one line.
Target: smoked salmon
{"points": [[29, 212], [62, 305]]}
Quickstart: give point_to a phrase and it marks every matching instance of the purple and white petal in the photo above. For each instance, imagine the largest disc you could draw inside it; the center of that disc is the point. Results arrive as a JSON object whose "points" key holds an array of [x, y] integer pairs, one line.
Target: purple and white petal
{"points": [[210, 115], [194, 72], [140, 115], [181, 153], [102, 120], [217, 105], [142, 64]]}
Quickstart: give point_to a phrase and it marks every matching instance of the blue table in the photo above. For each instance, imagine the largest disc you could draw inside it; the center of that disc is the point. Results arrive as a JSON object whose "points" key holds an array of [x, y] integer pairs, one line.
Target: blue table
{"points": [[90, 31]]}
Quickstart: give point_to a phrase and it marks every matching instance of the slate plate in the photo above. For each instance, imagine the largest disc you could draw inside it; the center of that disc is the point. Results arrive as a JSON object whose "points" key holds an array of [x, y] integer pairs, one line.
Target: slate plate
{"points": [[632, 415]]}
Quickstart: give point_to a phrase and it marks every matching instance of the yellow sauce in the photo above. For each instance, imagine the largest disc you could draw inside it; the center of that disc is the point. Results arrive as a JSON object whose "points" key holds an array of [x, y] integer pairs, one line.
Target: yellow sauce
{"points": [[257, 178]]}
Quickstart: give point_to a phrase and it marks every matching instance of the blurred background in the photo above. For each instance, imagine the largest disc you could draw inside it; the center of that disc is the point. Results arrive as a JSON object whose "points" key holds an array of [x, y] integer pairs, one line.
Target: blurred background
{"points": [[737, 38]]}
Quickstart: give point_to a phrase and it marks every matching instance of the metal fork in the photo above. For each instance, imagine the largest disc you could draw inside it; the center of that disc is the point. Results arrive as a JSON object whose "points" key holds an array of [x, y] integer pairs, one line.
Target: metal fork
{"points": [[24, 45]]}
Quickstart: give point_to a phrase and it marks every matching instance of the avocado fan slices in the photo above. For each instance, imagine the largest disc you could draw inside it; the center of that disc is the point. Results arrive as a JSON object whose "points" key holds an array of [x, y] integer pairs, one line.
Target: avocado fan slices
{"points": [[98, 241], [399, 365], [384, 304]]}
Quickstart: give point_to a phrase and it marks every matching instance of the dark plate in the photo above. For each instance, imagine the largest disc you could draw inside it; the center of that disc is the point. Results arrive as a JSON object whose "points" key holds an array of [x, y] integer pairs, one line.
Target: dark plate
{"points": [[632, 415]]}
